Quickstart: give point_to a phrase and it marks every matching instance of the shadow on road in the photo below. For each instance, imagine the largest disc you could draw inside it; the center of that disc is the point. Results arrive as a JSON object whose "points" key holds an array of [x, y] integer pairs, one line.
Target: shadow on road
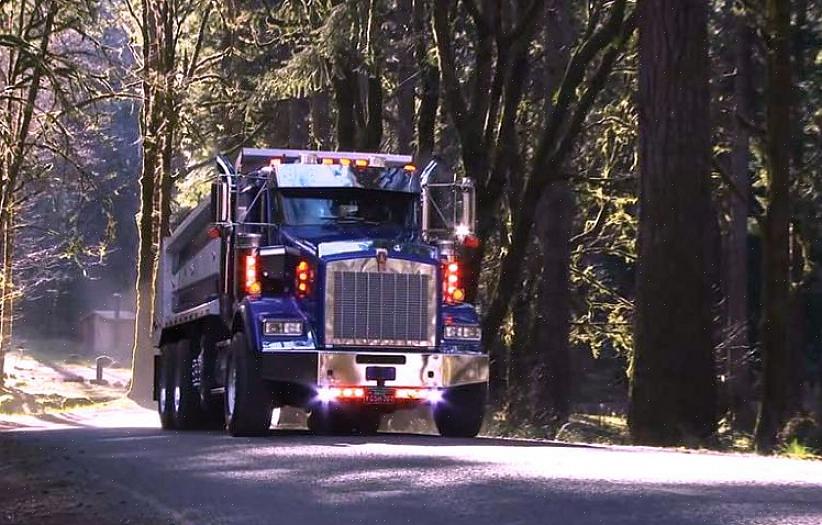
{"points": [[291, 475]]}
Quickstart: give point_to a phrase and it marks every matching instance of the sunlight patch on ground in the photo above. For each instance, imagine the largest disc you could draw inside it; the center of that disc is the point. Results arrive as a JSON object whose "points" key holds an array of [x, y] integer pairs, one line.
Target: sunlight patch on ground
{"points": [[120, 413], [37, 384]]}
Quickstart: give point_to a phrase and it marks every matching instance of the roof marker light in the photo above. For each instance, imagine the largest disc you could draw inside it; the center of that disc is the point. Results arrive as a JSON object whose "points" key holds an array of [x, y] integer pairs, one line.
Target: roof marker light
{"points": [[327, 161], [361, 163]]}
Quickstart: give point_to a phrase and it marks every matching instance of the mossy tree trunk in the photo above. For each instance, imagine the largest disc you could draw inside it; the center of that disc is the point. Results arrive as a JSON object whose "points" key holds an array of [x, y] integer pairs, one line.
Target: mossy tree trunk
{"points": [[673, 390], [776, 260]]}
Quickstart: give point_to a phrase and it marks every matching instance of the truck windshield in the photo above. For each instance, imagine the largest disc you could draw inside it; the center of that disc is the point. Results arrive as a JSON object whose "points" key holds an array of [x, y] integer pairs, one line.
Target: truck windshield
{"points": [[346, 206]]}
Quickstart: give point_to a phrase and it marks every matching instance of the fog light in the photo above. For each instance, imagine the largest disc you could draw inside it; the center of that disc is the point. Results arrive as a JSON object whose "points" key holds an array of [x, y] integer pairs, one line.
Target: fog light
{"points": [[326, 394], [434, 396], [465, 332], [282, 327]]}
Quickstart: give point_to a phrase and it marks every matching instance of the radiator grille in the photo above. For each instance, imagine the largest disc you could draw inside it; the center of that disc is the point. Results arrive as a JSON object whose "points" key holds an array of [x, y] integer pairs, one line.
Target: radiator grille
{"points": [[380, 308]]}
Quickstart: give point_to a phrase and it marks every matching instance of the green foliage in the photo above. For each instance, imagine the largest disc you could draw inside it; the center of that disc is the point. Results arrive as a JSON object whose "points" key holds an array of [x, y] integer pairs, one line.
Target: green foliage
{"points": [[801, 437], [604, 248], [796, 450]]}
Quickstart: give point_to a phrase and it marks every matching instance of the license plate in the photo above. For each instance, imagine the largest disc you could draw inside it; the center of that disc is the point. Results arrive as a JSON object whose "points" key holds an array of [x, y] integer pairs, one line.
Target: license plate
{"points": [[379, 396]]}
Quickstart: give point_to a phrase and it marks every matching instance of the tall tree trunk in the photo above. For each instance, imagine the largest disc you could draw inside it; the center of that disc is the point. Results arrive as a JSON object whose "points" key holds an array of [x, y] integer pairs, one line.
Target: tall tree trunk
{"points": [[800, 55], [429, 82], [736, 240], [521, 359], [7, 291], [776, 264], [406, 77], [148, 228], [427, 115], [673, 390], [345, 95], [551, 384], [372, 134], [20, 121], [147, 256]]}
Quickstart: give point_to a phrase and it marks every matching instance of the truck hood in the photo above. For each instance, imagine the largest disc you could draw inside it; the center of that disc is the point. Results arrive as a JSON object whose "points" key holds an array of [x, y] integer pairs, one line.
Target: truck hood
{"points": [[327, 241]]}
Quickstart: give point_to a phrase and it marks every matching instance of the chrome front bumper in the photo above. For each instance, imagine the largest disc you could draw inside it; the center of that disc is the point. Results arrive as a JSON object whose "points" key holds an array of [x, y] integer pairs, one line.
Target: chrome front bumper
{"points": [[346, 368]]}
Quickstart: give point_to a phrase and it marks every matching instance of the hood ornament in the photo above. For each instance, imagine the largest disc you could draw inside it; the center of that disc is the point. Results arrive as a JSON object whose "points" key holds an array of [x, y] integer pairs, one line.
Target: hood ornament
{"points": [[382, 259]]}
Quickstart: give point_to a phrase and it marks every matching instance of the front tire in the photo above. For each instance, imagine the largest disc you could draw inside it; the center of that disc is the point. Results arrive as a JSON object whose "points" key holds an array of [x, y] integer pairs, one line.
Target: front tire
{"points": [[461, 411], [248, 400]]}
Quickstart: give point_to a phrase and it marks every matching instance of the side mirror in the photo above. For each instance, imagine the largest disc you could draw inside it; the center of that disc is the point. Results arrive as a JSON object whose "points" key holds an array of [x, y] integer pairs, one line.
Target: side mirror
{"points": [[220, 201], [448, 204], [466, 222]]}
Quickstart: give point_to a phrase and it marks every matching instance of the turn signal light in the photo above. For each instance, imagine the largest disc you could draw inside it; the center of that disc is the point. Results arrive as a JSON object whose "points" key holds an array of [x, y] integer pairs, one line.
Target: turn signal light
{"points": [[304, 278], [331, 393], [419, 394], [452, 292], [251, 284]]}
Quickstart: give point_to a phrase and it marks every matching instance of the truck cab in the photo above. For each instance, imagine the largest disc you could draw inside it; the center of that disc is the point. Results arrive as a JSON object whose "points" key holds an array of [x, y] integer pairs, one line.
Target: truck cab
{"points": [[328, 281]]}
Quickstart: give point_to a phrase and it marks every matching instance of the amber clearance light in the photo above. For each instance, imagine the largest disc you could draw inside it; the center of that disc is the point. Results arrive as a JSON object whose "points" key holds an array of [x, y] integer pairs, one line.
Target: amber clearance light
{"points": [[251, 283], [304, 278], [452, 290]]}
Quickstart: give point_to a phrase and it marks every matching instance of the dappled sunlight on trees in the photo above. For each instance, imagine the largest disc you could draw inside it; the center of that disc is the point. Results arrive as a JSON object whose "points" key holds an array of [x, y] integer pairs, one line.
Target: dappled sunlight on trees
{"points": [[647, 176]]}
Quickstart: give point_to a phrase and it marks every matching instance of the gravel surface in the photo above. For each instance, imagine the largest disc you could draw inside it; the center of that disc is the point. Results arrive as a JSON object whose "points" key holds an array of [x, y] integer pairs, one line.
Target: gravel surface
{"points": [[291, 476]]}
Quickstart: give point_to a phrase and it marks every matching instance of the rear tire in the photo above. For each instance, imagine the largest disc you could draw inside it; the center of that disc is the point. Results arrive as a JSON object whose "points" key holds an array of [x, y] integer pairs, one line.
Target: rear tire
{"points": [[461, 411], [248, 400], [165, 388], [187, 413], [211, 405]]}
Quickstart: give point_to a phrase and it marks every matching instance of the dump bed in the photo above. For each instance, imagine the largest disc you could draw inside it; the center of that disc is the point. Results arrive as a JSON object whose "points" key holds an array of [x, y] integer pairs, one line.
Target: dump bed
{"points": [[188, 280]]}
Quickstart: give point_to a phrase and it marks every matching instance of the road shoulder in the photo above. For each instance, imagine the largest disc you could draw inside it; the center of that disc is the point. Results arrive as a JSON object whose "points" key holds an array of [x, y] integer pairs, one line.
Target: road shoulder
{"points": [[45, 487]]}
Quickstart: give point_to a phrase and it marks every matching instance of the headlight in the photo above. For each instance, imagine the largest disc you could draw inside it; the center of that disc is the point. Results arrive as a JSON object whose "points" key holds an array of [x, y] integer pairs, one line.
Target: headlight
{"points": [[281, 327], [467, 332]]}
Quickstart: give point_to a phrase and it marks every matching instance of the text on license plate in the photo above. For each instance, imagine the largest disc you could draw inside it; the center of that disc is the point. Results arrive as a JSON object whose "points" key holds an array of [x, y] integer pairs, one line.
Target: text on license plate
{"points": [[379, 396]]}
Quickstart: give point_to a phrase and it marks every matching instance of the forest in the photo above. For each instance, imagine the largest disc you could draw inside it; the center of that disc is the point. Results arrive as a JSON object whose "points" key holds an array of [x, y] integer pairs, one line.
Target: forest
{"points": [[648, 179]]}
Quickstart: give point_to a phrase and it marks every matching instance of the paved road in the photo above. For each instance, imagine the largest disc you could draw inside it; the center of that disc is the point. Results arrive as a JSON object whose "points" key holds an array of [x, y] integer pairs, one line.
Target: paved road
{"points": [[293, 477]]}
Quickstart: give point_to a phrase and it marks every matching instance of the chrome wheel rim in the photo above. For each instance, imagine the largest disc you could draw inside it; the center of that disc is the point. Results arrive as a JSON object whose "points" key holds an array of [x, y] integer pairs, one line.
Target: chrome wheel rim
{"points": [[163, 398], [177, 396], [231, 389]]}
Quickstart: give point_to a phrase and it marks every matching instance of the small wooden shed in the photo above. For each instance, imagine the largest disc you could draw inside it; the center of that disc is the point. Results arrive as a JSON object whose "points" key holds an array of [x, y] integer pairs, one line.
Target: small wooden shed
{"points": [[108, 332]]}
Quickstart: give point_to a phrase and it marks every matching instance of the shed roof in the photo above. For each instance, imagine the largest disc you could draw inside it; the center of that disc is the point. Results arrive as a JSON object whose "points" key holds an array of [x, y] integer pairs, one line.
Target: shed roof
{"points": [[109, 315]]}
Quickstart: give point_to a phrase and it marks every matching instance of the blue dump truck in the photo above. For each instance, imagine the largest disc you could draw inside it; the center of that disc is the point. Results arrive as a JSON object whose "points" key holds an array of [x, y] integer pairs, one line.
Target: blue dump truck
{"points": [[328, 281]]}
